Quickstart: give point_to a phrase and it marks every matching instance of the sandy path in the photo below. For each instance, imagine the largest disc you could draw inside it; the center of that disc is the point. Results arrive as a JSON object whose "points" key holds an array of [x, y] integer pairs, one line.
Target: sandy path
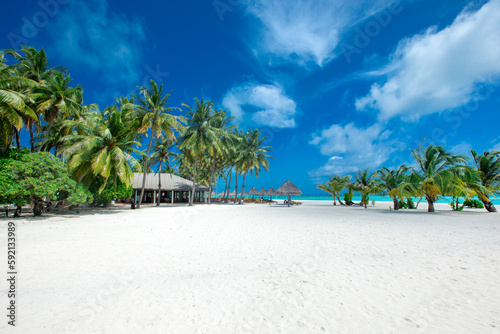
{"points": [[258, 269]]}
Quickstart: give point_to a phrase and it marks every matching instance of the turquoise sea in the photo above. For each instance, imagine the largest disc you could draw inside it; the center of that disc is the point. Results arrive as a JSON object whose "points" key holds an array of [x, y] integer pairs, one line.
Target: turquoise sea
{"points": [[358, 198]]}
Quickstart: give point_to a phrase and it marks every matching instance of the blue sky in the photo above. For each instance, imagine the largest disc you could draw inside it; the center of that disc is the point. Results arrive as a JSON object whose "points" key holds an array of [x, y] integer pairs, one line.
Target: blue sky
{"points": [[336, 86]]}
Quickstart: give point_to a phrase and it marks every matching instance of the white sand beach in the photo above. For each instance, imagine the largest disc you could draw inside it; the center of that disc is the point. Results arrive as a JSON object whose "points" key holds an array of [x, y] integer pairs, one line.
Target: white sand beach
{"points": [[256, 268]]}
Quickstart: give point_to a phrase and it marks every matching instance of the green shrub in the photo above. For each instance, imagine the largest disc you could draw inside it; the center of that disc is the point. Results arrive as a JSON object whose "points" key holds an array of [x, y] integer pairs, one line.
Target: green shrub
{"points": [[473, 203]]}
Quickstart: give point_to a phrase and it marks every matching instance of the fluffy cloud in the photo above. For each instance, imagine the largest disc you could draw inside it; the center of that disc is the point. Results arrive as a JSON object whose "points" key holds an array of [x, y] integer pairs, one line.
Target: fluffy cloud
{"points": [[440, 70], [304, 31], [262, 104], [351, 148], [89, 34]]}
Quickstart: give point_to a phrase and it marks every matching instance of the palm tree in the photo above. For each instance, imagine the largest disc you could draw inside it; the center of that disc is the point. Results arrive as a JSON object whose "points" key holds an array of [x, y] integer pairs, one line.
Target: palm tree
{"points": [[253, 156], [227, 142], [161, 154], [33, 65], [391, 180], [200, 137], [488, 165], [14, 102], [55, 98], [102, 145], [156, 119], [434, 171], [366, 184], [335, 186]]}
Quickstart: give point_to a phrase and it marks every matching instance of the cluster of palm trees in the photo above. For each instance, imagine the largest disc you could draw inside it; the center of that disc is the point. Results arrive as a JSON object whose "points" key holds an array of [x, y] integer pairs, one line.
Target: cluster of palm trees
{"points": [[436, 172], [104, 145]]}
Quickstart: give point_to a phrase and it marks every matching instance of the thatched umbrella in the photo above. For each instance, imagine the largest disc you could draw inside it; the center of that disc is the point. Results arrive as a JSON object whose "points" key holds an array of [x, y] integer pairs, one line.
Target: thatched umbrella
{"points": [[288, 188], [270, 192], [253, 192]]}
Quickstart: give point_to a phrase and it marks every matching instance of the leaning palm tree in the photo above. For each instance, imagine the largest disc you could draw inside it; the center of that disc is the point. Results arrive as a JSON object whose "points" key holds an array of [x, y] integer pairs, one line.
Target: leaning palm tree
{"points": [[335, 186], [102, 146], [488, 165], [390, 180], [161, 153], [199, 136], [253, 156], [156, 119], [433, 172], [366, 184]]}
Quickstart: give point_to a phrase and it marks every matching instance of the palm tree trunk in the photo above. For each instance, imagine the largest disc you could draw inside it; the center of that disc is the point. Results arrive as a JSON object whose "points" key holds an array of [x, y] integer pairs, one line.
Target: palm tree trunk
{"points": [[191, 200], [236, 190], [396, 203], [18, 142], [430, 202], [159, 184], [228, 177], [338, 197], [32, 139], [489, 206], [229, 184], [211, 182], [145, 169], [242, 200], [334, 203]]}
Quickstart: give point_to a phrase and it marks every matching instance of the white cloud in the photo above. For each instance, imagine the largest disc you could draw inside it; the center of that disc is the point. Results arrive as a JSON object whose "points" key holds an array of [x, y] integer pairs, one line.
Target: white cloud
{"points": [[440, 70], [262, 104], [462, 148], [352, 148], [496, 147], [304, 31], [89, 34]]}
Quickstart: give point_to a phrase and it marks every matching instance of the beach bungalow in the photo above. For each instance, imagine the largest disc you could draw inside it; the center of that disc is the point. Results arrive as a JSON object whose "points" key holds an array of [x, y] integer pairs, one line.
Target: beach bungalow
{"points": [[174, 189]]}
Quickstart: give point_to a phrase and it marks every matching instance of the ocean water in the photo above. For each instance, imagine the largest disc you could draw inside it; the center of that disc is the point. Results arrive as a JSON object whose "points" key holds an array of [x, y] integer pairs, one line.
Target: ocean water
{"points": [[357, 199]]}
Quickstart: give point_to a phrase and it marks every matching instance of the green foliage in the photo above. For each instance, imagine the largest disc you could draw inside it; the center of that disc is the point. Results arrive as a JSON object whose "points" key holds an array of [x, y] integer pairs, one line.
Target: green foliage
{"points": [[473, 203], [110, 192], [28, 178]]}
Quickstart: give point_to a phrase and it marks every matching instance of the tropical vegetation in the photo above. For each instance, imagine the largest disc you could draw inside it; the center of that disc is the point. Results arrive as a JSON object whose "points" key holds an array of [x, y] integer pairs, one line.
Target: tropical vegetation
{"points": [[435, 173], [95, 151]]}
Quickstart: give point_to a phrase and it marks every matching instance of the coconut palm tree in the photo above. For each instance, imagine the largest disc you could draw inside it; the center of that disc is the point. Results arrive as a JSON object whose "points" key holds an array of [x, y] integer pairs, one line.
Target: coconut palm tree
{"points": [[161, 153], [253, 156], [102, 145], [33, 65], [200, 136], [432, 174], [391, 180], [227, 142], [366, 184], [488, 165], [335, 186], [14, 102], [156, 119], [54, 98]]}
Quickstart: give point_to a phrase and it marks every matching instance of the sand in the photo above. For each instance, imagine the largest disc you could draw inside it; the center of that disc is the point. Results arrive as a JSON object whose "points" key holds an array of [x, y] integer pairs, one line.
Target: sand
{"points": [[257, 269]]}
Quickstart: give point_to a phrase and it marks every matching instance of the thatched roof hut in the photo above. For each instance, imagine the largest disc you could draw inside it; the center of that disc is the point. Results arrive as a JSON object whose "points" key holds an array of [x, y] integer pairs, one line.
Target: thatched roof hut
{"points": [[253, 191], [270, 192], [262, 192], [288, 188]]}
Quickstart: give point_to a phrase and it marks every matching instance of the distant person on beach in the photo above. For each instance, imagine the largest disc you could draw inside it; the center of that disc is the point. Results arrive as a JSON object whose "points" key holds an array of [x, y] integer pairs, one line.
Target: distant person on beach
{"points": [[132, 203]]}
